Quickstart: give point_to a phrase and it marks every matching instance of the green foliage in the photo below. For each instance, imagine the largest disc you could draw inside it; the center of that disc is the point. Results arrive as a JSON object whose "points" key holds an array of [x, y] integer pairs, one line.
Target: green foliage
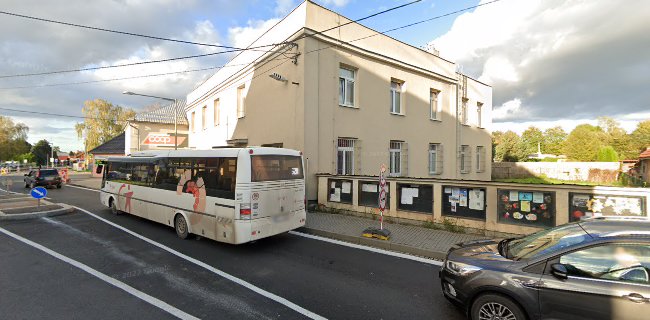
{"points": [[26, 156], [507, 147], [530, 140], [554, 140], [607, 154], [103, 122], [583, 143], [42, 152], [549, 160], [13, 139], [640, 138]]}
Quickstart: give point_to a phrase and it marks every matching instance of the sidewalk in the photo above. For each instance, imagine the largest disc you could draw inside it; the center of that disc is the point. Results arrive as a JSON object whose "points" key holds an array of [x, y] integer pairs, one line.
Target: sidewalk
{"points": [[409, 239]]}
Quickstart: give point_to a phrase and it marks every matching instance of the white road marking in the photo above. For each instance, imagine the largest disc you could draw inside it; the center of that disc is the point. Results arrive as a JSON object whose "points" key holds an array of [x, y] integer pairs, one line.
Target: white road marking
{"points": [[208, 267], [83, 188], [367, 248], [121, 285]]}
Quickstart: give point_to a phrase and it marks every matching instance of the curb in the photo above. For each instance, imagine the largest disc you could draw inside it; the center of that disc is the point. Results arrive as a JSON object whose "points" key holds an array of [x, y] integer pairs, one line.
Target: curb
{"points": [[377, 244], [33, 215]]}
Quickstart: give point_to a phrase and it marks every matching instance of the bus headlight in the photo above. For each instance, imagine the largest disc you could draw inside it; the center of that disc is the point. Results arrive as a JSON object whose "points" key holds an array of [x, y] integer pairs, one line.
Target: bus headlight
{"points": [[461, 269]]}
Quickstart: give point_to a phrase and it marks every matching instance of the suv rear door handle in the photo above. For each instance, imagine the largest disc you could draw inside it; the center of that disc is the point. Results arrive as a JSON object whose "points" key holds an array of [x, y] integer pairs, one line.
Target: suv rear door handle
{"points": [[635, 297]]}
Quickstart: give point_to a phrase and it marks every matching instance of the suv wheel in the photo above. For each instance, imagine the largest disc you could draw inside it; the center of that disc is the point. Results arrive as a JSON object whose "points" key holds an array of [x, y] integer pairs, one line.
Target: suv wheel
{"points": [[495, 307]]}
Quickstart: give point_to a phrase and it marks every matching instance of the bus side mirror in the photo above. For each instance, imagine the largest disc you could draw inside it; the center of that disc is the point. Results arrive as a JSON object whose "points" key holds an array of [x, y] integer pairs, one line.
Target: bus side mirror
{"points": [[559, 271]]}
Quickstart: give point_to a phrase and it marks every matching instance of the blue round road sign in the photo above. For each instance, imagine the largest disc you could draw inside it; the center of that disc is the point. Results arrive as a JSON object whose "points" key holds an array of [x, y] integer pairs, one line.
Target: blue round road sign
{"points": [[38, 193]]}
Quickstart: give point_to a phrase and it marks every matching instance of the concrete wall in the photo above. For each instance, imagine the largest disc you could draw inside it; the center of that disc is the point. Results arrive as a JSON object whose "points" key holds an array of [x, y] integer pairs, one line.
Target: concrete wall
{"points": [[577, 171], [490, 222]]}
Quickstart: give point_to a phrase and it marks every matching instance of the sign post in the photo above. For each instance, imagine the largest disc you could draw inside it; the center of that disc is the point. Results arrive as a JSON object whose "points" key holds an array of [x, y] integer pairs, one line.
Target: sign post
{"points": [[381, 233], [38, 193]]}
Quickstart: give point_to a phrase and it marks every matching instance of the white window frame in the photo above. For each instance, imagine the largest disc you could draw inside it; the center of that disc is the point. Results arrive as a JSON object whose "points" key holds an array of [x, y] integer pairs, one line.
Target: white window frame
{"points": [[435, 158], [241, 108], [193, 121], [480, 158], [465, 159], [345, 148], [395, 153], [463, 112], [204, 120], [434, 105], [346, 99], [216, 111], [396, 100], [479, 114]]}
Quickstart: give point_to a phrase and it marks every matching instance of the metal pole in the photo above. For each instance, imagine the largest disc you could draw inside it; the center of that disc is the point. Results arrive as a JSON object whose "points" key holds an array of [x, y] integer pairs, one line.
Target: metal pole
{"points": [[175, 126]]}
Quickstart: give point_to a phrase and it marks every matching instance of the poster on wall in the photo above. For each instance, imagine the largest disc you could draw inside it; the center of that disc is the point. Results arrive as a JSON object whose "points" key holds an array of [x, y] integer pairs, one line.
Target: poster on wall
{"points": [[584, 206], [463, 202], [533, 208], [340, 191], [415, 197]]}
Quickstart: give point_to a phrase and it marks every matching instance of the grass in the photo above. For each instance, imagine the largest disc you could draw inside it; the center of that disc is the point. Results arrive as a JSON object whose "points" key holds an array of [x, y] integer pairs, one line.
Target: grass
{"points": [[539, 180]]}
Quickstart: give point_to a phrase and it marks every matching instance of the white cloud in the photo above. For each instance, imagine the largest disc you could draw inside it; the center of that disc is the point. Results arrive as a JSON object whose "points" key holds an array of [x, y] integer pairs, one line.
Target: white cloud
{"points": [[242, 37], [337, 3], [557, 60], [282, 7]]}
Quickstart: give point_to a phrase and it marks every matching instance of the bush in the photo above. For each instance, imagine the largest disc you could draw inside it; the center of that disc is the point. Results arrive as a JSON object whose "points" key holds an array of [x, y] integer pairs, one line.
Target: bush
{"points": [[607, 154]]}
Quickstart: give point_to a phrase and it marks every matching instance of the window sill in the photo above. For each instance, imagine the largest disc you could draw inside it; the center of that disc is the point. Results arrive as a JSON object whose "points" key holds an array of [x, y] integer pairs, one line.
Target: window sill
{"points": [[435, 120], [435, 173], [348, 106], [466, 124], [398, 114], [464, 172]]}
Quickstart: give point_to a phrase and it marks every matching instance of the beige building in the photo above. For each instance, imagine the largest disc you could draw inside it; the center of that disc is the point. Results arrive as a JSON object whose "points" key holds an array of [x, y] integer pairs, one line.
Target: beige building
{"points": [[350, 98], [154, 130]]}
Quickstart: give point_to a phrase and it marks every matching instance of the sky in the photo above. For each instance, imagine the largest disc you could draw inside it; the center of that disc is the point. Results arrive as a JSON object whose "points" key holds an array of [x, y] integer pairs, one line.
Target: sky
{"points": [[550, 62]]}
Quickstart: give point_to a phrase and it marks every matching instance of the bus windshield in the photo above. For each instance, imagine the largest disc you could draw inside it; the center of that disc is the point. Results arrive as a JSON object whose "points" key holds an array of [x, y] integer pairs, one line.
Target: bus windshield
{"points": [[275, 167]]}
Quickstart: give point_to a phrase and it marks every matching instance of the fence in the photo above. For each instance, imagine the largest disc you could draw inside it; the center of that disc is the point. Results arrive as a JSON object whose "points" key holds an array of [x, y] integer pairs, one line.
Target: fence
{"points": [[576, 171], [489, 206]]}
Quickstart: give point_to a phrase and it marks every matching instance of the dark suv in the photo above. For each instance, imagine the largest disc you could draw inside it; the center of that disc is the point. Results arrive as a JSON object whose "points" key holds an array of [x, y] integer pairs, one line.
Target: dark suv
{"points": [[43, 177], [593, 269]]}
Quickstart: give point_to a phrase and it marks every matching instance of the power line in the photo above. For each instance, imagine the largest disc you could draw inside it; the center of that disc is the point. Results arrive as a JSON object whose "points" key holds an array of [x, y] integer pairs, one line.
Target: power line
{"points": [[186, 57], [59, 114], [129, 78], [115, 31]]}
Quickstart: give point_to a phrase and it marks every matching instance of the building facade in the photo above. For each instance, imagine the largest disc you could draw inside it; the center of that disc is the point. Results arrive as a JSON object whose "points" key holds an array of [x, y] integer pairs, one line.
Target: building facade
{"points": [[351, 99], [156, 129]]}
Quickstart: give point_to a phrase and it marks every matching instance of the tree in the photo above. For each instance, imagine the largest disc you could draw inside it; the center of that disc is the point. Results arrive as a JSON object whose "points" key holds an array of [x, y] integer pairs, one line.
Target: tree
{"points": [[103, 122], [508, 147], [554, 139], [607, 154], [617, 138], [13, 138], [584, 142], [640, 138], [42, 151], [531, 138]]}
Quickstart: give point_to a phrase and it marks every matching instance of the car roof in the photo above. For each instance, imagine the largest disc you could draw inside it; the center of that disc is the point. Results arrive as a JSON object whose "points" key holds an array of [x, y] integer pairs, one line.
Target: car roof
{"points": [[617, 227]]}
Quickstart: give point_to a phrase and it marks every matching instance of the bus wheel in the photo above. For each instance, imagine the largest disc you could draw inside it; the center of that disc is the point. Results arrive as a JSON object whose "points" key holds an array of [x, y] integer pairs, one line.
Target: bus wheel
{"points": [[181, 226], [113, 206]]}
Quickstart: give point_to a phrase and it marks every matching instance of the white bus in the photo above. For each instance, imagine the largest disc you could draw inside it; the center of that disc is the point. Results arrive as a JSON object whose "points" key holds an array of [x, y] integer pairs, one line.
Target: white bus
{"points": [[233, 195]]}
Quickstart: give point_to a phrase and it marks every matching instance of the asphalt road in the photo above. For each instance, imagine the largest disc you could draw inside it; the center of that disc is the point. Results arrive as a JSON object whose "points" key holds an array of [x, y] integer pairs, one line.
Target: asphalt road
{"points": [[330, 280]]}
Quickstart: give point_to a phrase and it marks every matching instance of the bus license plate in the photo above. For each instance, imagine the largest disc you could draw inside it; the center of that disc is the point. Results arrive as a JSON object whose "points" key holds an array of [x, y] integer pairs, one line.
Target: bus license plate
{"points": [[281, 218]]}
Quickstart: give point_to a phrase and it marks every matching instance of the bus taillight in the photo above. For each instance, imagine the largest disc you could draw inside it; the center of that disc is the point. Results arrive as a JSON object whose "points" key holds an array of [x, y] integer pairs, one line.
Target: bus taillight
{"points": [[245, 211]]}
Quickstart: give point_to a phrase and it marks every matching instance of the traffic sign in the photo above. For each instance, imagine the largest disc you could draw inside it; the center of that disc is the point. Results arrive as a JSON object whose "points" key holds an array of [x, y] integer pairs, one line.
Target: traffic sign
{"points": [[38, 193]]}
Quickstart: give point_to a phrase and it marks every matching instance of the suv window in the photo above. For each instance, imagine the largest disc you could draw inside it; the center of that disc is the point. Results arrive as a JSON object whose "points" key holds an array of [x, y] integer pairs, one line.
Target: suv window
{"points": [[618, 262], [50, 172], [546, 241]]}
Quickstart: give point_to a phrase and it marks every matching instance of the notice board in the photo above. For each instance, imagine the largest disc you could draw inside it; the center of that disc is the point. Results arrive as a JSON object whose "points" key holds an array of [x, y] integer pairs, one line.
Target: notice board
{"points": [[463, 202]]}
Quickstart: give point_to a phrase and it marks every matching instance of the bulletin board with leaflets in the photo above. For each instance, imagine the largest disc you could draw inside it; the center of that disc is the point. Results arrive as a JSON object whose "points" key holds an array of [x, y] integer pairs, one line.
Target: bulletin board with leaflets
{"points": [[531, 208], [415, 197], [369, 194], [340, 191], [463, 202], [588, 205]]}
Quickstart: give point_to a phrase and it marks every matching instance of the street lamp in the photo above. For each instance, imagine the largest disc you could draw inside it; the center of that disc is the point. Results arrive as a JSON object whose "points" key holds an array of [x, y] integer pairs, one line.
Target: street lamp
{"points": [[175, 112]]}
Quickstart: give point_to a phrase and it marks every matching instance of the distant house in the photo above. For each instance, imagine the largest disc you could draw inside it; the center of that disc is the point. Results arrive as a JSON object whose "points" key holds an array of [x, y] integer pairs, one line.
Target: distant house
{"points": [[644, 165], [154, 130], [110, 148]]}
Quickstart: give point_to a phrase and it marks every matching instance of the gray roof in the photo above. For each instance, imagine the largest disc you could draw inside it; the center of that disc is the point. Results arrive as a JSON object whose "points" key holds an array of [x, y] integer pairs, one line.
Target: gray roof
{"points": [[113, 146], [165, 114]]}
